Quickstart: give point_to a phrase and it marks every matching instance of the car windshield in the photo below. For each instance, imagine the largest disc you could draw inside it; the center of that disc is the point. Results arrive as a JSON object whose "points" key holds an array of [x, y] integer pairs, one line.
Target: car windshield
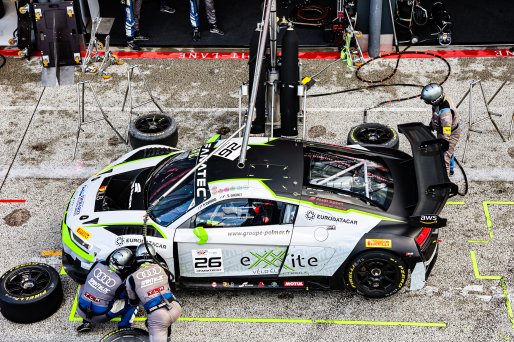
{"points": [[365, 178], [175, 204]]}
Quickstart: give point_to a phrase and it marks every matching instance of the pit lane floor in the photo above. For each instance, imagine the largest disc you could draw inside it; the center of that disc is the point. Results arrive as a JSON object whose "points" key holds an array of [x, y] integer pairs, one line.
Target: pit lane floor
{"points": [[467, 297]]}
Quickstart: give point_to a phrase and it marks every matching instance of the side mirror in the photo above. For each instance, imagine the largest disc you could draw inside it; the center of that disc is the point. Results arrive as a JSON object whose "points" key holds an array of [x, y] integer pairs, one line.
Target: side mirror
{"points": [[201, 234]]}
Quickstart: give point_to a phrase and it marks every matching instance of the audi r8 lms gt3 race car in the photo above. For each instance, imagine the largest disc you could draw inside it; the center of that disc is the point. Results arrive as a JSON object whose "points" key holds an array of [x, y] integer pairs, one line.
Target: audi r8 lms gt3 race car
{"points": [[298, 214]]}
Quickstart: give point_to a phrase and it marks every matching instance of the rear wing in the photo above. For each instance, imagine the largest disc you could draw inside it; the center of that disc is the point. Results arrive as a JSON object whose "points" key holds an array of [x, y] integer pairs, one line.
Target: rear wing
{"points": [[433, 185]]}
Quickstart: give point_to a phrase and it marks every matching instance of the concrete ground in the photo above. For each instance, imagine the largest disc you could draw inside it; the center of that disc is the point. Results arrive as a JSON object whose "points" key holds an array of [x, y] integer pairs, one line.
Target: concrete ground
{"points": [[37, 136]]}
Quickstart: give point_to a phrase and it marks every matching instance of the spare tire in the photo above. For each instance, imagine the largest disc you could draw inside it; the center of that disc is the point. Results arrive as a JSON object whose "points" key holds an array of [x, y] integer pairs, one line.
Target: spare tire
{"points": [[30, 292], [373, 134], [126, 334], [152, 129]]}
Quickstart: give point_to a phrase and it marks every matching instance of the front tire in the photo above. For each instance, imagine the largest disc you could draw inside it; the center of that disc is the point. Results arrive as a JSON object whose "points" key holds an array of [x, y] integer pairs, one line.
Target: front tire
{"points": [[376, 274], [30, 292], [153, 129]]}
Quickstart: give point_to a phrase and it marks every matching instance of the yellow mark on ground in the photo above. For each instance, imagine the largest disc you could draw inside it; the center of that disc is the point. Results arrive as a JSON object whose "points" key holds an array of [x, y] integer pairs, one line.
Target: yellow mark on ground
{"points": [[51, 253], [73, 317], [476, 272], [456, 202]]}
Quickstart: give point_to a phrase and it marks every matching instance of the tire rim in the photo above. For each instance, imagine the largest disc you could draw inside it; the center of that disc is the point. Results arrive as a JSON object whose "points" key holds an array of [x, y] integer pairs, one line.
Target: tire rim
{"points": [[27, 282], [153, 124], [374, 135], [377, 275]]}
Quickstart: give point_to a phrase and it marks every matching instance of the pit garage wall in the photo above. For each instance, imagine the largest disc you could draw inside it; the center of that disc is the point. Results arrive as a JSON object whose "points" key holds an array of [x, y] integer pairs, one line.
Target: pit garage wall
{"points": [[386, 37]]}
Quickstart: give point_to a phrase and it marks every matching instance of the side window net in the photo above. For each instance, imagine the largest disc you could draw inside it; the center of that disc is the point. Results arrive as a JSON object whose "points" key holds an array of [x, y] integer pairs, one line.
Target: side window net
{"points": [[243, 213]]}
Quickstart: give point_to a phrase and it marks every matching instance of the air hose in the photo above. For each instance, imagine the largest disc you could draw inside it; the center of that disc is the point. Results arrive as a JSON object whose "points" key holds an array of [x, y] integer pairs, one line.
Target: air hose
{"points": [[466, 186]]}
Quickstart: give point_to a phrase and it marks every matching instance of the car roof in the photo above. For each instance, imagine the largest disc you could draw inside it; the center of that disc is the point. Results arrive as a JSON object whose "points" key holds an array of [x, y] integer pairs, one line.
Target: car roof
{"points": [[279, 162]]}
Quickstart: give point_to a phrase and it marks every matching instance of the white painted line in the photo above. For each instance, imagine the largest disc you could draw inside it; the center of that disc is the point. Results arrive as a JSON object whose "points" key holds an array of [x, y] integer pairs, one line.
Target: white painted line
{"points": [[82, 172]]}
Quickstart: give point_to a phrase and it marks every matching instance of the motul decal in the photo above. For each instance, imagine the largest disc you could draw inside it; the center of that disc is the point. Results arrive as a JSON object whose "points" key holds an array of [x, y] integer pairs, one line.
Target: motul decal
{"points": [[293, 283]]}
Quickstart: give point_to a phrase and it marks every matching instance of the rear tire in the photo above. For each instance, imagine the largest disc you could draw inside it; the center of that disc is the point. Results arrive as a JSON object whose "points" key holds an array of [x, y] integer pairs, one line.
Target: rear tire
{"points": [[153, 129], [126, 334], [30, 292], [373, 134], [376, 274]]}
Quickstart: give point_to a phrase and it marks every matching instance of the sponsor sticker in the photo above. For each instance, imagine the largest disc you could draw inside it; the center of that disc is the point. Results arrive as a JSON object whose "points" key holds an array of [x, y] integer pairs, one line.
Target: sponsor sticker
{"points": [[155, 291], [83, 233], [91, 297], [447, 130], [231, 151], [80, 200], [246, 284], [214, 284], [379, 243], [207, 260], [293, 283], [261, 284]]}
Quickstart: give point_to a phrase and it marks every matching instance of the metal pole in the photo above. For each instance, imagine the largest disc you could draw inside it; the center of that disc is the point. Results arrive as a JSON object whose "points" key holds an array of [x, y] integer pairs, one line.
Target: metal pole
{"points": [[256, 79], [375, 22], [273, 35]]}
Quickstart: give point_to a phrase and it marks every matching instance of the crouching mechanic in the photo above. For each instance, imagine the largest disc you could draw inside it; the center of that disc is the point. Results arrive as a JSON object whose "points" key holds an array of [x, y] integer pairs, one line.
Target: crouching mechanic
{"points": [[103, 296], [445, 119], [149, 284]]}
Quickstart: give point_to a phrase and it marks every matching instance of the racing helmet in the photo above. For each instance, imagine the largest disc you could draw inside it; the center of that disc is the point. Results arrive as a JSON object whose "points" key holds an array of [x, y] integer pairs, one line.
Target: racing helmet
{"points": [[142, 253], [432, 94], [121, 259]]}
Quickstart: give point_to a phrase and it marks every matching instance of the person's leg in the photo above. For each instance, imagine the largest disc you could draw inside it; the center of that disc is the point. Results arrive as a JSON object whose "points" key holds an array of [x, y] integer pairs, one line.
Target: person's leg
{"points": [[454, 139], [127, 312], [129, 25], [137, 13], [158, 323], [193, 17], [166, 8], [211, 17]]}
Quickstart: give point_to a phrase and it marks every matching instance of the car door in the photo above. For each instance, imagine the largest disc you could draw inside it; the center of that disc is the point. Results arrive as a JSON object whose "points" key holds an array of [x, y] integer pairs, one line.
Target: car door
{"points": [[245, 238]]}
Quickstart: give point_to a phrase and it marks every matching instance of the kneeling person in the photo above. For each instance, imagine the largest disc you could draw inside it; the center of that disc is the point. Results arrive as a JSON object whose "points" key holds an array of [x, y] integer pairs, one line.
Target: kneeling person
{"points": [[103, 296], [149, 285]]}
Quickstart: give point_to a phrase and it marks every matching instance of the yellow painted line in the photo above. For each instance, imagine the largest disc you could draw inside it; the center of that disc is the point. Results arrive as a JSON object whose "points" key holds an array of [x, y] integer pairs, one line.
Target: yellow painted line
{"points": [[73, 317], [476, 272], [456, 202], [51, 253]]}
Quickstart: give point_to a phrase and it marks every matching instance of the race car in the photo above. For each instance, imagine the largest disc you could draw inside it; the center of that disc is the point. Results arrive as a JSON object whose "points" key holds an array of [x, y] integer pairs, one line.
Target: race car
{"points": [[298, 214]]}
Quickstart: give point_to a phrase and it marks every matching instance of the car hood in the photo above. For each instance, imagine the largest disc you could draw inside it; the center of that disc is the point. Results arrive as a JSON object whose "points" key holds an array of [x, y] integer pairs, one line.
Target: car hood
{"points": [[117, 191]]}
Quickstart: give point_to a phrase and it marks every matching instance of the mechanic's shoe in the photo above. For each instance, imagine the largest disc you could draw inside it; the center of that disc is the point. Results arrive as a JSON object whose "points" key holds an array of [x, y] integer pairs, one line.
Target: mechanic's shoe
{"points": [[139, 36], [167, 9], [131, 44], [85, 327], [196, 34], [452, 172], [216, 30]]}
